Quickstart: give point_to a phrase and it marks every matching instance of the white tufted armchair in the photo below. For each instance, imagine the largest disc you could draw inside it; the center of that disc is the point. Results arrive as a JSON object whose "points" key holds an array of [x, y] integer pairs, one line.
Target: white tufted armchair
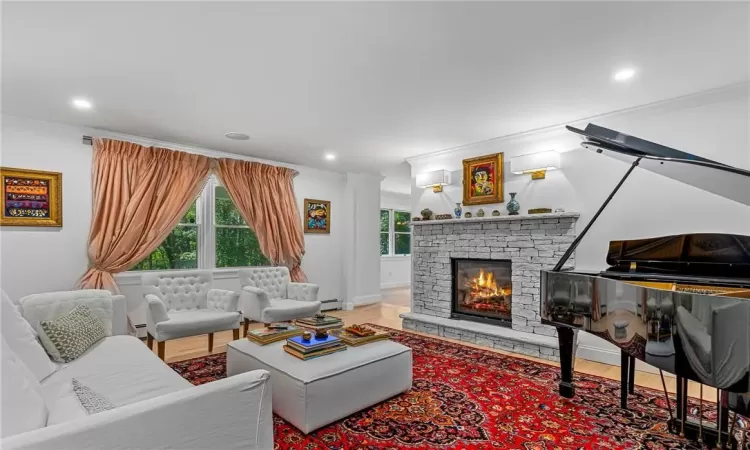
{"points": [[269, 295], [182, 304]]}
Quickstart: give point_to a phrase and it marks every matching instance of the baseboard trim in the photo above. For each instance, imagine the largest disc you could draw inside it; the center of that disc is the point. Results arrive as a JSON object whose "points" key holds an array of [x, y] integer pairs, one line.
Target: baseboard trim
{"points": [[362, 300], [398, 285]]}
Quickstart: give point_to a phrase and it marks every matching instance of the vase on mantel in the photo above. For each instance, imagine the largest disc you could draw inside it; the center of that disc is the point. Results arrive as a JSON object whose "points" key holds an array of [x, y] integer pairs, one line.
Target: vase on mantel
{"points": [[457, 211], [513, 206]]}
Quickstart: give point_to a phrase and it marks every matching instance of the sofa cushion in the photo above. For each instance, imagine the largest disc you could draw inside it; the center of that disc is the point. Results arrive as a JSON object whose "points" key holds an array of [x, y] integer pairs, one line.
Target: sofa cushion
{"points": [[120, 368], [67, 337], [51, 305], [21, 338], [190, 323], [23, 407]]}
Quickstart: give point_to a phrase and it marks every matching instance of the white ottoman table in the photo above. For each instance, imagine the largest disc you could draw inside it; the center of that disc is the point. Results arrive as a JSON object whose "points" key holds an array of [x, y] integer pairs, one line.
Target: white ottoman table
{"points": [[311, 394]]}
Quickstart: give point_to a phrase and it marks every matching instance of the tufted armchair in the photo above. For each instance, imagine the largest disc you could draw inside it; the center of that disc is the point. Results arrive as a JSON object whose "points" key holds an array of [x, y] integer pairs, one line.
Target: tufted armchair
{"points": [[182, 304], [269, 295]]}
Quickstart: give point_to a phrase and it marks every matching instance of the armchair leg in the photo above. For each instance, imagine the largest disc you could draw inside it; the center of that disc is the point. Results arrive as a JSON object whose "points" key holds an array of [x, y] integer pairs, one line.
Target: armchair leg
{"points": [[247, 325], [210, 342], [150, 341], [236, 334], [161, 349]]}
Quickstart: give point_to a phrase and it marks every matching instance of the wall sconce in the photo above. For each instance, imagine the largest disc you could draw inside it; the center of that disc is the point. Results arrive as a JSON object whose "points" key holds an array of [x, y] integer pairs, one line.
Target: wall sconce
{"points": [[435, 179], [537, 164]]}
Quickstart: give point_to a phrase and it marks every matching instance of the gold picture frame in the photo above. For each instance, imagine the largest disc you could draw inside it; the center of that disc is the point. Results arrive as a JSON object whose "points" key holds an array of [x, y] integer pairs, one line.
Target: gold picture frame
{"points": [[31, 198], [483, 180], [317, 216]]}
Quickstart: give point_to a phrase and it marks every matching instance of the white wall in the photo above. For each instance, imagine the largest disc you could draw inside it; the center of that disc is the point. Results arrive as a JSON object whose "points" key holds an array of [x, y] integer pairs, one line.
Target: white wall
{"points": [[713, 125], [395, 271], [39, 260]]}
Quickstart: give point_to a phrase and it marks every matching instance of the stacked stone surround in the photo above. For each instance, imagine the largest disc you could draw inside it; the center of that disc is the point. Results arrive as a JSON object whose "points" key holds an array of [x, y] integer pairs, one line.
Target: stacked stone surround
{"points": [[530, 242]]}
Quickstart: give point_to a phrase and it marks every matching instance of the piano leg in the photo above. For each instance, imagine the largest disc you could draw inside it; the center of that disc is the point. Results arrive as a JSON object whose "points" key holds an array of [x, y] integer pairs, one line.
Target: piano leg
{"points": [[631, 375], [566, 339], [624, 378]]}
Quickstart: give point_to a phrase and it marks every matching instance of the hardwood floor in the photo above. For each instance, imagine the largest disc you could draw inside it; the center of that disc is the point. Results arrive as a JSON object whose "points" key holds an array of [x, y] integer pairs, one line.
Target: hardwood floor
{"points": [[387, 314]]}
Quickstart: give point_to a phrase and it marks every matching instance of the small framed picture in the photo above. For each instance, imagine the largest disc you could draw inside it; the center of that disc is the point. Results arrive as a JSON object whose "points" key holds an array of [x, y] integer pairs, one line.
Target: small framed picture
{"points": [[317, 216], [31, 198], [483, 180]]}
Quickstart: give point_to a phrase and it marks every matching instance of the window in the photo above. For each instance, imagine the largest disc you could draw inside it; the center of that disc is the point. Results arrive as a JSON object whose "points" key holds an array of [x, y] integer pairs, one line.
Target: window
{"points": [[225, 241], [179, 250], [395, 233]]}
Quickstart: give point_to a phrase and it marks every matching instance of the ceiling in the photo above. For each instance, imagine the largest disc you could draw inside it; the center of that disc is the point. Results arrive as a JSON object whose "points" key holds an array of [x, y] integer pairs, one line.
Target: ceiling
{"points": [[373, 83]]}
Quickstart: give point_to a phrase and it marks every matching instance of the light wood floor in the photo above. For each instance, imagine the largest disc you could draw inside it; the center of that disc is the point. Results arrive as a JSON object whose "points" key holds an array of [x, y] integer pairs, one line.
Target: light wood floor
{"points": [[387, 314]]}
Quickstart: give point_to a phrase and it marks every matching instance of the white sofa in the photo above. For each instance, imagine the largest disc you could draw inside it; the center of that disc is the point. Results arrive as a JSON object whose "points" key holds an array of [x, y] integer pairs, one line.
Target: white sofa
{"points": [[269, 295], [155, 407], [182, 304]]}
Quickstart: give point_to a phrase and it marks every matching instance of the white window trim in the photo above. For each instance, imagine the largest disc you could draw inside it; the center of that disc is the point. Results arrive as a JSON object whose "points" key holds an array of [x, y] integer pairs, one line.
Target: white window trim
{"points": [[206, 241], [392, 235]]}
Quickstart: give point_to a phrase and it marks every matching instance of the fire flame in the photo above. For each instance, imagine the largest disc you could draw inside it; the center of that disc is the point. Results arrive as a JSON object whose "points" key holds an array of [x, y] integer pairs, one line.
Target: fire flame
{"points": [[485, 285]]}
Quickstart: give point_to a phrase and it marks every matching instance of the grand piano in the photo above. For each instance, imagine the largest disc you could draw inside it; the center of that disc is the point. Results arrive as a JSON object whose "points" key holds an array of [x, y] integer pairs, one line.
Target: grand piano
{"points": [[679, 303]]}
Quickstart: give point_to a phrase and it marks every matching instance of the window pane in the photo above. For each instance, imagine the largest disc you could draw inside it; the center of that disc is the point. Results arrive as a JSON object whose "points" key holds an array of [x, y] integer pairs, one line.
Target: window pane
{"points": [[237, 247], [383, 243], [226, 213], [189, 216], [384, 218], [401, 221], [177, 251], [402, 244]]}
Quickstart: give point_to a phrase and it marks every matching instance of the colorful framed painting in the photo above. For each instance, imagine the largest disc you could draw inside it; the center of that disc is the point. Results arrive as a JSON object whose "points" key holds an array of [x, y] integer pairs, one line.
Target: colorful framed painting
{"points": [[31, 198], [483, 180], [317, 216]]}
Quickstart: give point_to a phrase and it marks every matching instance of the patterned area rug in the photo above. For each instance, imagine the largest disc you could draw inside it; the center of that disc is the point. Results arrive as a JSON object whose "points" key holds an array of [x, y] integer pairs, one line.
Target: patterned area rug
{"points": [[465, 398]]}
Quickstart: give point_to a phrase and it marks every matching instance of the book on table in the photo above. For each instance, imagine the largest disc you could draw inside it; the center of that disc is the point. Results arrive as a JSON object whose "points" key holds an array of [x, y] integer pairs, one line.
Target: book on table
{"points": [[314, 343], [353, 340], [315, 354], [316, 324], [275, 333]]}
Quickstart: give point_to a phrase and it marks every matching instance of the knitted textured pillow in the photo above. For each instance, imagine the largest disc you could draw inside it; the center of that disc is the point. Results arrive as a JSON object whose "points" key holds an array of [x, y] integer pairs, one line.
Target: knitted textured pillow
{"points": [[68, 336], [92, 401]]}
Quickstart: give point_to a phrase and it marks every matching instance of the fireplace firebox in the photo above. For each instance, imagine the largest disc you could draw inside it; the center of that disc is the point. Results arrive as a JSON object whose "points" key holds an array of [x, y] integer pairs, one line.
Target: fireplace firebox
{"points": [[482, 290]]}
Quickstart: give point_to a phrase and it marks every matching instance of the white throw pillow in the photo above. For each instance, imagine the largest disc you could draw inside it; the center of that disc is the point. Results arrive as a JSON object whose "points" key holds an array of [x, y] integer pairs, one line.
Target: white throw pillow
{"points": [[21, 338], [51, 305], [23, 407]]}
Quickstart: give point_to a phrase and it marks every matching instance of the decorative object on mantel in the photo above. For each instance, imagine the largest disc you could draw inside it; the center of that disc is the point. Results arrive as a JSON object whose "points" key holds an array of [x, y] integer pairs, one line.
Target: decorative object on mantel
{"points": [[31, 198], [426, 214], [443, 217], [457, 210], [495, 213], [416, 219], [560, 210], [480, 213], [318, 216], [536, 164], [540, 211], [513, 206], [483, 180], [435, 179], [467, 215]]}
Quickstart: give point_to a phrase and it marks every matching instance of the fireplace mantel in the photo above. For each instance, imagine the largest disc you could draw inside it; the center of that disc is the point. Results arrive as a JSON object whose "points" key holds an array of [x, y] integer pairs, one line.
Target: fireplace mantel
{"points": [[531, 242], [504, 218]]}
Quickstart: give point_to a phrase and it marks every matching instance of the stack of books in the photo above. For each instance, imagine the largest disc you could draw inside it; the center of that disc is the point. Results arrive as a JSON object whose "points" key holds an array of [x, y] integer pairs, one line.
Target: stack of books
{"points": [[320, 322], [314, 347], [355, 340], [273, 333]]}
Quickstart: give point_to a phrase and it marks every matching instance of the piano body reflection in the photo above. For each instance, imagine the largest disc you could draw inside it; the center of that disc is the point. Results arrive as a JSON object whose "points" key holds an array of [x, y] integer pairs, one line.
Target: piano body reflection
{"points": [[679, 303]]}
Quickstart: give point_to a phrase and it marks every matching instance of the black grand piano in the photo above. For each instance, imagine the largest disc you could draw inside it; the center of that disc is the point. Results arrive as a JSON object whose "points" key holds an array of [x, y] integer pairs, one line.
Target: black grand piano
{"points": [[679, 303]]}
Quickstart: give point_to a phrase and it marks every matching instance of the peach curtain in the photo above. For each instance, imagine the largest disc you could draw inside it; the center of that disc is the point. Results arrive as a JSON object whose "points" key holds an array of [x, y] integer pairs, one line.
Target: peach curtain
{"points": [[139, 194], [264, 196]]}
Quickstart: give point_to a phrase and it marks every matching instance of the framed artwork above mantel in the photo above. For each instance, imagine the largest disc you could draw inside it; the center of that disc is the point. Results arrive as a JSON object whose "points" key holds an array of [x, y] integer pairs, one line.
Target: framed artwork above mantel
{"points": [[483, 180], [31, 198]]}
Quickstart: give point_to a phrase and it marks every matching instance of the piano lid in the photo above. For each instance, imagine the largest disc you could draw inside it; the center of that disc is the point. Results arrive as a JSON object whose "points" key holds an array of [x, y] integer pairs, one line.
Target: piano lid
{"points": [[727, 181]]}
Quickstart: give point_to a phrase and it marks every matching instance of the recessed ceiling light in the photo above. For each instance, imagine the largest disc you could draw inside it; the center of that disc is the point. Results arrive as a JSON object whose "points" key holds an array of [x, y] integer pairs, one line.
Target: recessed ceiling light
{"points": [[237, 136], [624, 74], [329, 156], [81, 103]]}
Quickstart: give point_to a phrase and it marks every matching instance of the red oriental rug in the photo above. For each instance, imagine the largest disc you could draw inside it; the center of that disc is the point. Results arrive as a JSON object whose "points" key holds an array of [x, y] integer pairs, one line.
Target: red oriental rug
{"points": [[465, 398]]}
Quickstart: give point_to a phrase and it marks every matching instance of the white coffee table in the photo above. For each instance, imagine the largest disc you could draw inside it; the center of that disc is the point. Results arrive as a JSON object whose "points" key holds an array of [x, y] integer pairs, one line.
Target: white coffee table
{"points": [[311, 394]]}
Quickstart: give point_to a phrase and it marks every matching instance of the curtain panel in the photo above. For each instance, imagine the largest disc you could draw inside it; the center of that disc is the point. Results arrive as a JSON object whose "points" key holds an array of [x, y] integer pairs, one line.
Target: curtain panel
{"points": [[139, 195], [264, 195]]}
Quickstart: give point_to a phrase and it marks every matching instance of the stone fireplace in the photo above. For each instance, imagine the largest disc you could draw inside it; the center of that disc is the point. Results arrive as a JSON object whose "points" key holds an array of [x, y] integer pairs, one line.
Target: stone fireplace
{"points": [[482, 290], [459, 302]]}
